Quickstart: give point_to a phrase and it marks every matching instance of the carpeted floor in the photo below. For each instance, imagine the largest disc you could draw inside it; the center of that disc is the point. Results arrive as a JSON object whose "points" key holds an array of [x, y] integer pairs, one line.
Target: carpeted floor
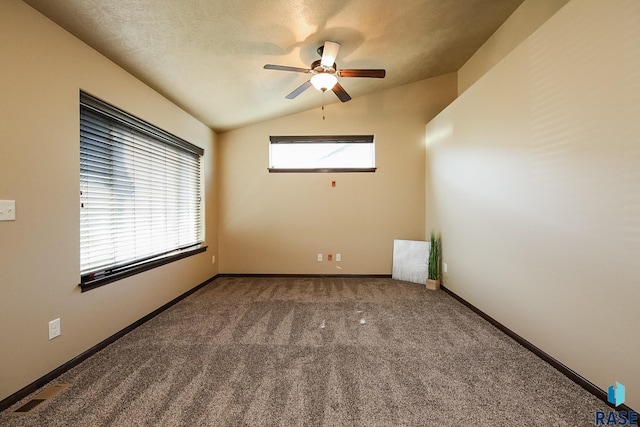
{"points": [[314, 351]]}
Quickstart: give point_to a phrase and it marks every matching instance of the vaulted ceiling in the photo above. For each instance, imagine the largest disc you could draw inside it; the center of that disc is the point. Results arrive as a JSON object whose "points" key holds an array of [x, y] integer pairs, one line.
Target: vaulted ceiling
{"points": [[207, 56]]}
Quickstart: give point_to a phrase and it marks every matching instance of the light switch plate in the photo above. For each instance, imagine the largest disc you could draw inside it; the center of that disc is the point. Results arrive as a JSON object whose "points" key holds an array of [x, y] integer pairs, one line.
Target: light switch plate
{"points": [[7, 210]]}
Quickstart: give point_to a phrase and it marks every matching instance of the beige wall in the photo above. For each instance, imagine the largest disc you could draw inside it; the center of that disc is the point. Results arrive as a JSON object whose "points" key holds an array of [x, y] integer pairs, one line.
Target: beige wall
{"points": [[43, 68], [277, 223], [524, 21], [533, 178]]}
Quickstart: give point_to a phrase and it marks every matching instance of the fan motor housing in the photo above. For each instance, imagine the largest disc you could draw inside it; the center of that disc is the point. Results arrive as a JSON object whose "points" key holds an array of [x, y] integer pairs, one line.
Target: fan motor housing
{"points": [[317, 68]]}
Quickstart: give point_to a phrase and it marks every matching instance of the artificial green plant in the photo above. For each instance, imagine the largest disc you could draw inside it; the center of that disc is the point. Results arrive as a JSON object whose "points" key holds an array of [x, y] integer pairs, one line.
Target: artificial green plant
{"points": [[434, 256]]}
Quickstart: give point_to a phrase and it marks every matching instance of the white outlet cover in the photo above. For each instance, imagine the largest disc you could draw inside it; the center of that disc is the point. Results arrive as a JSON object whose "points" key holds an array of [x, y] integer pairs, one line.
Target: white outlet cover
{"points": [[54, 328], [7, 210]]}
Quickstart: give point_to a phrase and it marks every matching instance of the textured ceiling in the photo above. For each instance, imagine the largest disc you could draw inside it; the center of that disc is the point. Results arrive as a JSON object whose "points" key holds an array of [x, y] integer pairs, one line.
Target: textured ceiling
{"points": [[207, 56]]}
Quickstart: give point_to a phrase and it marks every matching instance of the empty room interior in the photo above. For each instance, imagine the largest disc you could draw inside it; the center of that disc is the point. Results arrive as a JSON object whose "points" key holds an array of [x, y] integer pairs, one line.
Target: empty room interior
{"points": [[509, 127]]}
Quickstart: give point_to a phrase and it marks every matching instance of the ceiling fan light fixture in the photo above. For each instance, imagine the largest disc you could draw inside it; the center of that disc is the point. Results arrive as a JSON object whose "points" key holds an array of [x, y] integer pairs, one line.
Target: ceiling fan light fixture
{"points": [[324, 73], [324, 81]]}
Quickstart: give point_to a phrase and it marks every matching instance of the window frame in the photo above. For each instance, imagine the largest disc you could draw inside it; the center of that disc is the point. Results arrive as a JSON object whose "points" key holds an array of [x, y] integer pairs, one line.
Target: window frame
{"points": [[320, 139], [111, 114]]}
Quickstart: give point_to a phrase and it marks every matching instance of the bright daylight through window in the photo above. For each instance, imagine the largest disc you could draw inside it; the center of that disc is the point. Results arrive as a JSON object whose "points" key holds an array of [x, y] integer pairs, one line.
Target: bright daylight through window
{"points": [[140, 195], [322, 153]]}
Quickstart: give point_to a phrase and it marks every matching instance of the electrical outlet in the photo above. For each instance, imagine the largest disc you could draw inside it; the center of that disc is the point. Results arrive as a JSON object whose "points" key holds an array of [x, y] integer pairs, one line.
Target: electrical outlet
{"points": [[338, 257], [319, 257], [7, 210], [54, 328], [444, 267], [213, 259]]}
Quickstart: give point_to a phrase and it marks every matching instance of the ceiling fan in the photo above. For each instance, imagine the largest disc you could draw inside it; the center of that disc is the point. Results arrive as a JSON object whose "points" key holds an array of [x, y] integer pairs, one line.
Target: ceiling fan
{"points": [[324, 73]]}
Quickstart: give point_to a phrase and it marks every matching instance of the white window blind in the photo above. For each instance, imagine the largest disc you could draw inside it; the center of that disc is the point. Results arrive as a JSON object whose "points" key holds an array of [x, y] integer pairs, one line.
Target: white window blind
{"points": [[140, 191]]}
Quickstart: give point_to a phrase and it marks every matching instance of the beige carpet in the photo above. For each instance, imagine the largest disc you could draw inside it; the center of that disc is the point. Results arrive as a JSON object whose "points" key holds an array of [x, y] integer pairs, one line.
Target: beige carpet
{"points": [[314, 351]]}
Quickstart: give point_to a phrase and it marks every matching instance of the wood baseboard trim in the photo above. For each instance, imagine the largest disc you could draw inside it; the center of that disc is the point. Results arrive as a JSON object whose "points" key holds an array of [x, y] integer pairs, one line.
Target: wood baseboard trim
{"points": [[373, 276], [40, 382], [563, 369]]}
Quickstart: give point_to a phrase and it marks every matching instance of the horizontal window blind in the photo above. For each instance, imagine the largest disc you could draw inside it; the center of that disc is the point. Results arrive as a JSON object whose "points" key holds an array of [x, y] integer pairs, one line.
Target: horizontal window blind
{"points": [[140, 191], [322, 139]]}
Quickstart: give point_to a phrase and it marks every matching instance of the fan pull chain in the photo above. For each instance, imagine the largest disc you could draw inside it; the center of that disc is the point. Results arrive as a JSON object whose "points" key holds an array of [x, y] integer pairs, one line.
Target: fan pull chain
{"points": [[323, 104]]}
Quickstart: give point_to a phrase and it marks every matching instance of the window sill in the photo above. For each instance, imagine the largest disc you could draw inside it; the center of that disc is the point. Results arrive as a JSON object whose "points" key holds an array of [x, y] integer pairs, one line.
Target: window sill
{"points": [[110, 277], [321, 170]]}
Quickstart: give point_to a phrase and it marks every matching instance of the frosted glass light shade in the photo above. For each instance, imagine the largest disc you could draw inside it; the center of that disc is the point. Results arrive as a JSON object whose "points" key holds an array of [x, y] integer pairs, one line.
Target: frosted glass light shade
{"points": [[329, 54], [324, 81]]}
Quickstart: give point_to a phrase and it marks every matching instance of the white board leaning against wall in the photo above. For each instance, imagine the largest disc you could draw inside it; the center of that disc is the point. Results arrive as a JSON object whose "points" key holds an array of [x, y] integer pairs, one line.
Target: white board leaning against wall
{"points": [[410, 261]]}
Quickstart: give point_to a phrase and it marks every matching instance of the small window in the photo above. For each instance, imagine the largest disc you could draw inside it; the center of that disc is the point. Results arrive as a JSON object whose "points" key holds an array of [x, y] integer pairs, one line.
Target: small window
{"points": [[322, 153], [140, 195]]}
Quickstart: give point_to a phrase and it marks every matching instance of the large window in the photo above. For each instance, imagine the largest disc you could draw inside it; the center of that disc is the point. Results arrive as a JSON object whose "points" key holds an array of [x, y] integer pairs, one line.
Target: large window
{"points": [[322, 153], [140, 195]]}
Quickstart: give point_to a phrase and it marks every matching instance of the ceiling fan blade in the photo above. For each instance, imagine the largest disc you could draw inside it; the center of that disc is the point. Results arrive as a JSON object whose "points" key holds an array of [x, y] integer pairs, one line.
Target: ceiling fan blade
{"points": [[297, 91], [341, 93], [329, 54], [286, 68], [378, 74]]}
